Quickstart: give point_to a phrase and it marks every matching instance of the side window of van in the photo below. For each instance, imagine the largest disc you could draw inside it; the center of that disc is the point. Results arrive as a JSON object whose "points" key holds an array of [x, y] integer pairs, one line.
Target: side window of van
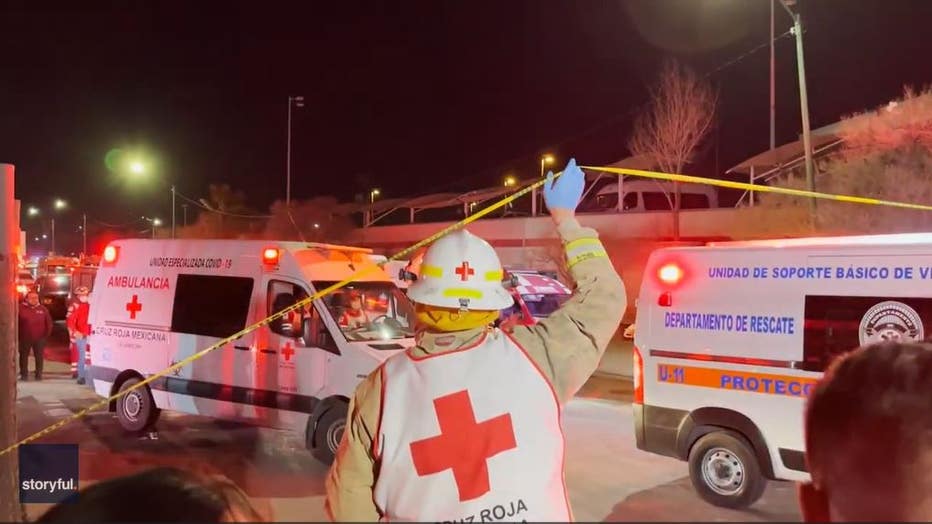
{"points": [[211, 306], [281, 295], [607, 201], [694, 201], [630, 202], [656, 201]]}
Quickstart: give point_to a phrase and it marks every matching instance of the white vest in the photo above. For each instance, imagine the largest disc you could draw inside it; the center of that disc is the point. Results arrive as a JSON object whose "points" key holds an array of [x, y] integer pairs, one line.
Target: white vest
{"points": [[470, 435]]}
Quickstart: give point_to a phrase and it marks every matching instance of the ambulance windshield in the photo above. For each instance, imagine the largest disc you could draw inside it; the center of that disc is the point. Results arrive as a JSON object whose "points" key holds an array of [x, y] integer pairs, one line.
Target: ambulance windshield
{"points": [[370, 311], [542, 306]]}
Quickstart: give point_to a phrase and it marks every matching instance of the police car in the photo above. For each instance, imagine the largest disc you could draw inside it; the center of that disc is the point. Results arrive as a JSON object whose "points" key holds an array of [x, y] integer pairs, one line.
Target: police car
{"points": [[732, 337], [157, 302]]}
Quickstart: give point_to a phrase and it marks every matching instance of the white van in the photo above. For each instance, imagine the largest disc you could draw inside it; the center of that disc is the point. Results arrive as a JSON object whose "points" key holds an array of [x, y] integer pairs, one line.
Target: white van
{"points": [[157, 302], [652, 195], [732, 337]]}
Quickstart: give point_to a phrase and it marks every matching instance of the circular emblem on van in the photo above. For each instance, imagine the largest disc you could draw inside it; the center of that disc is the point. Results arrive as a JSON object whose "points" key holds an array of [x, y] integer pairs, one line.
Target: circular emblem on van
{"points": [[890, 321]]}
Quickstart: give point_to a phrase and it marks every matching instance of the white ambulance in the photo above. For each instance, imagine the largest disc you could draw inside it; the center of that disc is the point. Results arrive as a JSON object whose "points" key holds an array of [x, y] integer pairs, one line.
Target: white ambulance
{"points": [[157, 302], [731, 338]]}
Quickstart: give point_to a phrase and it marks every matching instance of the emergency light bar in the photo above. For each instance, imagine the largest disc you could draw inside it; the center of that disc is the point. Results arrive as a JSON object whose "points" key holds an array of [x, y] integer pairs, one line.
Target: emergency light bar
{"points": [[110, 254], [670, 274], [270, 256]]}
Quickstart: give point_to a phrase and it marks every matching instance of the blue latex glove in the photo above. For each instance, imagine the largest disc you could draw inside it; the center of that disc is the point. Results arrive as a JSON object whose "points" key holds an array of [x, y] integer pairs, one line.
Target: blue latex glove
{"points": [[567, 190]]}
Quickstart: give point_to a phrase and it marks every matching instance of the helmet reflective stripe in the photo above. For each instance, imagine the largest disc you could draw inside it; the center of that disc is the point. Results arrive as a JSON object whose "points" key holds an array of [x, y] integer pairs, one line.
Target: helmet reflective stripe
{"points": [[461, 271]]}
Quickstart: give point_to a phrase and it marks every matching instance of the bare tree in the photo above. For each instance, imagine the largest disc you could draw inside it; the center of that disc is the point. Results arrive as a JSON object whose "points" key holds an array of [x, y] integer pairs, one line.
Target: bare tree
{"points": [[679, 116]]}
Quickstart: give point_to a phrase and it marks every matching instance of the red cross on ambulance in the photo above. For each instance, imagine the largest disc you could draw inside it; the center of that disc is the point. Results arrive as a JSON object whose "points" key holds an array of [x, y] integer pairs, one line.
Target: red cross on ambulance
{"points": [[134, 306]]}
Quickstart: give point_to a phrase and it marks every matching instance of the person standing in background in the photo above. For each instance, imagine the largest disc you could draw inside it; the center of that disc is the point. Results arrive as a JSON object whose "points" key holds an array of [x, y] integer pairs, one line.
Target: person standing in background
{"points": [[35, 326], [79, 329]]}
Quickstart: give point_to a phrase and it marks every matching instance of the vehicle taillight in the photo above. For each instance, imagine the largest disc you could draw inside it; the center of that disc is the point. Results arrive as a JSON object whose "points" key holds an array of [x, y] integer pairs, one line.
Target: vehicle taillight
{"points": [[638, 377], [270, 256], [670, 274], [110, 254]]}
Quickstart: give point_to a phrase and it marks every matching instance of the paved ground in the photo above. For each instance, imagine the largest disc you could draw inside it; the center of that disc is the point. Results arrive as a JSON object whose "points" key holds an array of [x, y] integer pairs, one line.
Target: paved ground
{"points": [[608, 478]]}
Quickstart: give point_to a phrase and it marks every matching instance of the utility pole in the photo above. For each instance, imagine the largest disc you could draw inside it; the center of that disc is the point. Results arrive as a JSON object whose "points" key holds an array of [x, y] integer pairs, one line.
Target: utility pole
{"points": [[773, 81], [84, 234], [10, 509], [804, 108], [184, 211], [297, 101], [52, 250], [173, 212]]}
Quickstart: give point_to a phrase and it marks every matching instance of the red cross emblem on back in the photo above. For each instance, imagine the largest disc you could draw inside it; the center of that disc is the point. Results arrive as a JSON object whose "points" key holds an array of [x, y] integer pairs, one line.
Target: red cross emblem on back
{"points": [[464, 271], [134, 307], [287, 351], [463, 445]]}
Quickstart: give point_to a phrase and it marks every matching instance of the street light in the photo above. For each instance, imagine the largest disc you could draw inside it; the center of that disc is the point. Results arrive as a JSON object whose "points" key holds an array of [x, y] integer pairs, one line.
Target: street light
{"points": [[372, 194], [137, 167], [32, 211], [296, 101], [60, 204], [510, 181], [544, 161]]}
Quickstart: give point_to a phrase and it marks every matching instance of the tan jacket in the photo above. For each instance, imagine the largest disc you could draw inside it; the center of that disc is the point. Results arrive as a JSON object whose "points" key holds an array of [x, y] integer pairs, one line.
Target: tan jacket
{"points": [[567, 346]]}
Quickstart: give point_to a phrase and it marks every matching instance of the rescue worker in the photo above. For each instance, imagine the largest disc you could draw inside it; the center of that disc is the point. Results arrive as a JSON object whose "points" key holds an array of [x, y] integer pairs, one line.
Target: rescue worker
{"points": [[35, 326], [466, 425], [355, 316], [79, 329]]}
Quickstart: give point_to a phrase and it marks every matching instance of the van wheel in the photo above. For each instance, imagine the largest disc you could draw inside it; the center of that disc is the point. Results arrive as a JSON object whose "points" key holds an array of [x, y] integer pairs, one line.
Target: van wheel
{"points": [[136, 410], [329, 433], [724, 470]]}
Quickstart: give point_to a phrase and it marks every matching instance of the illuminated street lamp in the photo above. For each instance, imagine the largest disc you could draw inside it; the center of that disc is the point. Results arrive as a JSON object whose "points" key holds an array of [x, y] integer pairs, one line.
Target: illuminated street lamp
{"points": [[544, 161], [60, 204], [137, 168], [372, 194], [32, 211], [510, 181]]}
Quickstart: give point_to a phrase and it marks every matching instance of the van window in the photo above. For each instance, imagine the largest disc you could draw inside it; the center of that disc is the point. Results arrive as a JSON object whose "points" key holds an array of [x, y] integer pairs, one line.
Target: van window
{"points": [[629, 202], [212, 306], [656, 201], [694, 201], [834, 323], [607, 201], [281, 295]]}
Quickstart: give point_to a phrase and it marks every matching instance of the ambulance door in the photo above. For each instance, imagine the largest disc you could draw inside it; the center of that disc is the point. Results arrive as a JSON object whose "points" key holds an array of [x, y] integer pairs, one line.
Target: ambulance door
{"points": [[285, 359]]}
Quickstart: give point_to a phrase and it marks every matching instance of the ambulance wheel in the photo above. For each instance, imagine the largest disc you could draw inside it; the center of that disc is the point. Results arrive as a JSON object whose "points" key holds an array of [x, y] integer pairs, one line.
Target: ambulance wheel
{"points": [[329, 433], [136, 410], [725, 472]]}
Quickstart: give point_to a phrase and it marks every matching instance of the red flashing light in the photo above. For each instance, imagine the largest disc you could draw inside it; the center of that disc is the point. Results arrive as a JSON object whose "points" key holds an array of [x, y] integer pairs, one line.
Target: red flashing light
{"points": [[665, 299], [670, 274], [110, 254], [638, 376], [270, 256]]}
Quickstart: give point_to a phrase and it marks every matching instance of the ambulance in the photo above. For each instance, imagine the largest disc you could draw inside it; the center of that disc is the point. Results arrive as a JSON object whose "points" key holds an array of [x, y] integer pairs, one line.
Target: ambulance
{"points": [[732, 337], [157, 302]]}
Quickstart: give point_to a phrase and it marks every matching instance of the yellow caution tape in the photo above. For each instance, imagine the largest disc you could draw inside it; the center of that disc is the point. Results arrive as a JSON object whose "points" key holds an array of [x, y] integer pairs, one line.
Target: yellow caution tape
{"points": [[754, 187], [299, 305]]}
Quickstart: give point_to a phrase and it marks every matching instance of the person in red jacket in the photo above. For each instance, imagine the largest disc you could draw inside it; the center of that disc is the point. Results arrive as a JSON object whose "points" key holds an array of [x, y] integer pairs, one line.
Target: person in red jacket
{"points": [[78, 328], [35, 326]]}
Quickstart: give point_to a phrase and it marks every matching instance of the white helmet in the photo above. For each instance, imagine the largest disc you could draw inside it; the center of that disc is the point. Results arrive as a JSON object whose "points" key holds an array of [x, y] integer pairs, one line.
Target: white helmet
{"points": [[461, 271]]}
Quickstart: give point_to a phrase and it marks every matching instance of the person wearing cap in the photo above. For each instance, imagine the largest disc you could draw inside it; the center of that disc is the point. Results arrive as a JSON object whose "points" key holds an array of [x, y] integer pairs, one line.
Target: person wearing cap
{"points": [[354, 317], [79, 329], [467, 424]]}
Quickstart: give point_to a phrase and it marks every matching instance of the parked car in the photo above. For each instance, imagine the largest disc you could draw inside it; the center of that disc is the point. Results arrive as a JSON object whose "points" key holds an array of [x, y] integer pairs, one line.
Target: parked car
{"points": [[537, 295], [24, 283]]}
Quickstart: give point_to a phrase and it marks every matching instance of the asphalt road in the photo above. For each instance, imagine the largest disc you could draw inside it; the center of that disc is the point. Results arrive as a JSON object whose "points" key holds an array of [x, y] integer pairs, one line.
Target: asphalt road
{"points": [[608, 478]]}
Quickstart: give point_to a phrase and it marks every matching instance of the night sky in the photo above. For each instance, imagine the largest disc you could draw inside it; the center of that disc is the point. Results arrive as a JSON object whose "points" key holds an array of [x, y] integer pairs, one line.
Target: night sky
{"points": [[412, 97]]}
